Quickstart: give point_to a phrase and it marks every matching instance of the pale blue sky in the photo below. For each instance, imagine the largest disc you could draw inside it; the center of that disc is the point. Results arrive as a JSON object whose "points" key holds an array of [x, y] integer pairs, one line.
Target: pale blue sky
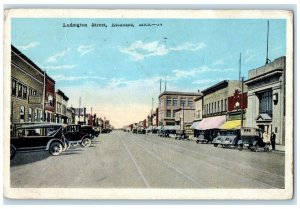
{"points": [[117, 70]]}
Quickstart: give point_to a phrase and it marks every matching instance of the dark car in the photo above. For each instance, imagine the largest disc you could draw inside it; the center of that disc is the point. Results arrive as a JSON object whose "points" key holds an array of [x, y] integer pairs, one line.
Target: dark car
{"points": [[38, 137], [74, 136], [88, 130], [97, 131]]}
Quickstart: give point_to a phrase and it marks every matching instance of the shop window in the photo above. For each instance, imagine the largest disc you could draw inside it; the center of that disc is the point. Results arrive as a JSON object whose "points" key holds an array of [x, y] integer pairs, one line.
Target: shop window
{"points": [[13, 87], [22, 114], [30, 115], [35, 115], [19, 90]]}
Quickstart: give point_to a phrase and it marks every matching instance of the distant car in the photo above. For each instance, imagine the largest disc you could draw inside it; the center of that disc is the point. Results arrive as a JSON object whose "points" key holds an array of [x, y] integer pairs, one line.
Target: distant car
{"points": [[38, 137], [88, 130]]}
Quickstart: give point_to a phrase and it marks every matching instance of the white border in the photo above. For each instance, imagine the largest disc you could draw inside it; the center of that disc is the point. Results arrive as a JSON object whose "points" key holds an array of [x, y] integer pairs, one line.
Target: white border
{"points": [[83, 193]]}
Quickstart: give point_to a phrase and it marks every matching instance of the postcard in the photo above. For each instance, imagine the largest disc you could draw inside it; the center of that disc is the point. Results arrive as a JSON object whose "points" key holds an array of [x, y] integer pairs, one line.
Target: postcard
{"points": [[148, 104]]}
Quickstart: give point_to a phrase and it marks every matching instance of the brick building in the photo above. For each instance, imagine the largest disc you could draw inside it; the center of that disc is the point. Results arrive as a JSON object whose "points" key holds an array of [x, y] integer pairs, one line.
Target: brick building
{"points": [[170, 101], [49, 99], [27, 89]]}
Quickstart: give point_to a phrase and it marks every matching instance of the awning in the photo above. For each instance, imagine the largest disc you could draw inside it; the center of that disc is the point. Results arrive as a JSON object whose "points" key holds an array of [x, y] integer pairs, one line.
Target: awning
{"points": [[232, 124], [171, 127], [211, 123], [195, 124]]}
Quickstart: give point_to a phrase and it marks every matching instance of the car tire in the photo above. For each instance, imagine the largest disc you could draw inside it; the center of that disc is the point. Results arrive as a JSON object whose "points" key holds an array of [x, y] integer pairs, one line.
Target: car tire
{"points": [[86, 142], [12, 151], [215, 145], [240, 148], [55, 148], [197, 141]]}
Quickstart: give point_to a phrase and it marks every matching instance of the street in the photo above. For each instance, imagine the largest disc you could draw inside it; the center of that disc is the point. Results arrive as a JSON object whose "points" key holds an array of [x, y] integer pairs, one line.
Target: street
{"points": [[126, 160]]}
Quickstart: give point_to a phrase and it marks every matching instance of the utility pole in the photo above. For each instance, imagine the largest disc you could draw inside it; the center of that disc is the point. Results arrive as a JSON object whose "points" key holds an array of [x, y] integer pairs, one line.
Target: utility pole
{"points": [[151, 116], [182, 115], [242, 104], [267, 56], [240, 64], [79, 110]]}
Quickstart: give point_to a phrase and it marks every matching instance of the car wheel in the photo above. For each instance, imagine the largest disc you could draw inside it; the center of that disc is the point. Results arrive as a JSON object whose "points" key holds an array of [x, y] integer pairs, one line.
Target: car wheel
{"points": [[197, 141], [12, 152], [86, 142], [55, 148], [215, 145], [240, 148]]}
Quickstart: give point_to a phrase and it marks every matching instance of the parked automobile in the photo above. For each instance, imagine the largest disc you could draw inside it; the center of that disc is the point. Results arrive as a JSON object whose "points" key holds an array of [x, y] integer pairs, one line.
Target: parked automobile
{"points": [[203, 137], [106, 130], [181, 135], [97, 131], [141, 131], [163, 133], [88, 130], [38, 137], [74, 136], [230, 138], [252, 138]]}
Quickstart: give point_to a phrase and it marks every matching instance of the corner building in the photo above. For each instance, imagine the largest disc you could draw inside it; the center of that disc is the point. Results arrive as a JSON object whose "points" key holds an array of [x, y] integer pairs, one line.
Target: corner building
{"points": [[266, 98]]}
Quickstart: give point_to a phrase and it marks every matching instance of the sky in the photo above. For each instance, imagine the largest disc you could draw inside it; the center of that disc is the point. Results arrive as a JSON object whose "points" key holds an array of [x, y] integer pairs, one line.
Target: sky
{"points": [[117, 70]]}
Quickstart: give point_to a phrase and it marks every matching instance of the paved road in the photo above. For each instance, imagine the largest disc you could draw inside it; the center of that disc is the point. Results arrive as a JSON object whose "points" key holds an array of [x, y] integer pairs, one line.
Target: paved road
{"points": [[126, 160]]}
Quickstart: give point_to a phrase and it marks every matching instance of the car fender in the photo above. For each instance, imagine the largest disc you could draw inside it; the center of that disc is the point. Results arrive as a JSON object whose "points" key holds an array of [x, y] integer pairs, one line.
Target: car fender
{"points": [[240, 142], [52, 140], [85, 136]]}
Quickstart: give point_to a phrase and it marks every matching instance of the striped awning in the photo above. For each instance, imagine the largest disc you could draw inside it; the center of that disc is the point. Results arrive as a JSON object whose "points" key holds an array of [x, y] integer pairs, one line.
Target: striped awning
{"points": [[210, 123], [232, 124]]}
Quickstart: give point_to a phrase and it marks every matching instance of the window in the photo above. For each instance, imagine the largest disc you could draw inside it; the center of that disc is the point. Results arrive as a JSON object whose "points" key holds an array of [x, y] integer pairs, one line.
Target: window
{"points": [[169, 113], [215, 109], [34, 92], [225, 101], [175, 101], [30, 92], [30, 114], [169, 101], [50, 100], [13, 87], [35, 115], [222, 105], [183, 102], [218, 109], [190, 102], [209, 108], [24, 92], [22, 113], [265, 102], [19, 90], [41, 115]]}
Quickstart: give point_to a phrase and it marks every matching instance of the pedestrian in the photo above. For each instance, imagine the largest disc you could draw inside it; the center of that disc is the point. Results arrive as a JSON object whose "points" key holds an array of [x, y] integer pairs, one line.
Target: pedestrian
{"points": [[273, 138]]}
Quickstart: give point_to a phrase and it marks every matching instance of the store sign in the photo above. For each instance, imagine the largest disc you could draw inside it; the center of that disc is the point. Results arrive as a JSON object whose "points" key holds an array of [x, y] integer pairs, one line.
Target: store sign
{"points": [[33, 99]]}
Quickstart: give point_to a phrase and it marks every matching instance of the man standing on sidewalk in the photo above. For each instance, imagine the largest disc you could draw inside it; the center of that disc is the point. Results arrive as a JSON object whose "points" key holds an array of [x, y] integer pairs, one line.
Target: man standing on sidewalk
{"points": [[273, 137]]}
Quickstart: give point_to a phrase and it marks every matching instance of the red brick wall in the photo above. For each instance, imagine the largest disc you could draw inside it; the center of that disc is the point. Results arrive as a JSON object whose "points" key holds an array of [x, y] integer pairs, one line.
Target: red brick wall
{"points": [[49, 89], [237, 98]]}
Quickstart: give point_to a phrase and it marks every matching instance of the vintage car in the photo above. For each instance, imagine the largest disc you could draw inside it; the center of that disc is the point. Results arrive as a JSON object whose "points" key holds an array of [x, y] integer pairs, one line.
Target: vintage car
{"points": [[230, 138], [88, 130], [74, 136], [203, 137], [181, 135], [38, 137], [97, 131], [252, 138]]}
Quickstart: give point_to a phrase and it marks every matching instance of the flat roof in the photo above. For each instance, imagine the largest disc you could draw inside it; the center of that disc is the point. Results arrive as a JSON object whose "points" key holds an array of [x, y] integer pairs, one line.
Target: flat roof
{"points": [[180, 93]]}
